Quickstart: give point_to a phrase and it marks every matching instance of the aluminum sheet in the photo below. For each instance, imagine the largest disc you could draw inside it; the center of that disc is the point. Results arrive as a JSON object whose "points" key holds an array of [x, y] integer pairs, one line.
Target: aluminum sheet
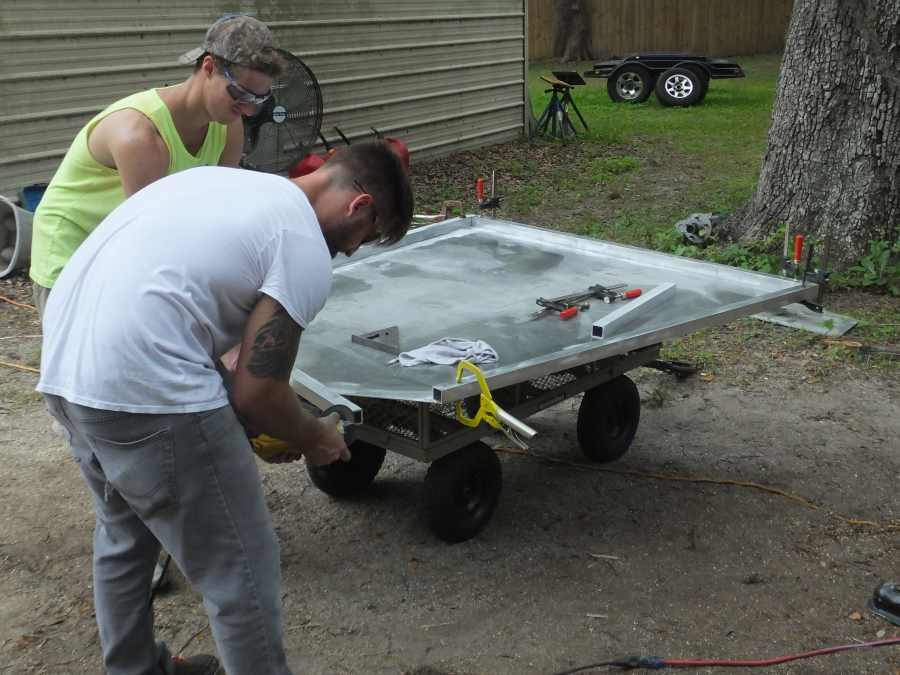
{"points": [[479, 278]]}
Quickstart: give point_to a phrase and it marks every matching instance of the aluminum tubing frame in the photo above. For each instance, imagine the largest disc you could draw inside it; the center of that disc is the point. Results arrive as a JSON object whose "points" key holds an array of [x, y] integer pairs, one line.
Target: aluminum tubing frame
{"points": [[457, 436]]}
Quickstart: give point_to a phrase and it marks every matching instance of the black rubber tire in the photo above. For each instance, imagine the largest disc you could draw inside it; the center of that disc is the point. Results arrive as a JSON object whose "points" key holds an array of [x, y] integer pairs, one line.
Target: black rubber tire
{"points": [[344, 479], [704, 82], [680, 87], [630, 74], [608, 419], [461, 492]]}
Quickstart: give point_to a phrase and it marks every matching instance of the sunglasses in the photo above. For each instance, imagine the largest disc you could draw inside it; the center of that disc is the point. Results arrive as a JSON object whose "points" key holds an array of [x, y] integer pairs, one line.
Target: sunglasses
{"points": [[376, 235], [242, 94]]}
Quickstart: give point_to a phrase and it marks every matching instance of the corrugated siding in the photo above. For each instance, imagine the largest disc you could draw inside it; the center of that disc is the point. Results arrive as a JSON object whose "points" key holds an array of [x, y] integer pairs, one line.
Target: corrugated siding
{"points": [[443, 76]]}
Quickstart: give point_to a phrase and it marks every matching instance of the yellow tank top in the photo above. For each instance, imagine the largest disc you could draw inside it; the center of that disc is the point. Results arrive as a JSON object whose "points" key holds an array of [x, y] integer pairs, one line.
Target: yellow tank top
{"points": [[83, 191]]}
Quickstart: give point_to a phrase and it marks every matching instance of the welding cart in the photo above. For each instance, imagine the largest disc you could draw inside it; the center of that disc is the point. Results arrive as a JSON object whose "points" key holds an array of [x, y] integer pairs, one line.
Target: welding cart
{"points": [[476, 277]]}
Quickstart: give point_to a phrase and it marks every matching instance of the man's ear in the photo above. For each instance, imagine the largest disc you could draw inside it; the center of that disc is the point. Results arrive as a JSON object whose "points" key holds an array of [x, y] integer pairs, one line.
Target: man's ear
{"points": [[359, 202], [208, 66]]}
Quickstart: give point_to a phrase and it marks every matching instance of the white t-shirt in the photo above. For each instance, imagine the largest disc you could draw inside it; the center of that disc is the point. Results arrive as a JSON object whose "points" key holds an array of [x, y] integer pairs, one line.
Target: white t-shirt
{"points": [[163, 287]]}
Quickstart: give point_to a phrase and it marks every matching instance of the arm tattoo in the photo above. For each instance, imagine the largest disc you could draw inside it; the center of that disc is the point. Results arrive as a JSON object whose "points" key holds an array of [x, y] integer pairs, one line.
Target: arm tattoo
{"points": [[275, 347]]}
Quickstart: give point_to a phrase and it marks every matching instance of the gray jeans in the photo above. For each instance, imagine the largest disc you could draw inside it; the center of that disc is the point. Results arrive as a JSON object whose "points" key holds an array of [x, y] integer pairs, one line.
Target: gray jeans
{"points": [[190, 483]]}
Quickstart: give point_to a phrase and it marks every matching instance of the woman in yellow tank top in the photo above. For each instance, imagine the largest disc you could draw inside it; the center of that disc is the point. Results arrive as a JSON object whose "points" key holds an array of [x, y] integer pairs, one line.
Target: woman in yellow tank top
{"points": [[152, 134]]}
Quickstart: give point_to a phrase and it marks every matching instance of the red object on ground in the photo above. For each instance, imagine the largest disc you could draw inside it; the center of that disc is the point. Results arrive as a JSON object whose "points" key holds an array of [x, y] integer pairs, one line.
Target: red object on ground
{"points": [[313, 161], [401, 149], [307, 165], [479, 189], [568, 313], [633, 293], [798, 248]]}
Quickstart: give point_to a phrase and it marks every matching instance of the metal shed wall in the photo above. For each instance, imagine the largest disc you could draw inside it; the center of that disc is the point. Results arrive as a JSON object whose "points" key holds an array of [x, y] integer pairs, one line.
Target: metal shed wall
{"points": [[443, 76]]}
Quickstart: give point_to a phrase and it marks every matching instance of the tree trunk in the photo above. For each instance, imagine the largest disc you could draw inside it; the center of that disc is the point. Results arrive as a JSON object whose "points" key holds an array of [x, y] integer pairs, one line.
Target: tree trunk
{"points": [[573, 31], [832, 167]]}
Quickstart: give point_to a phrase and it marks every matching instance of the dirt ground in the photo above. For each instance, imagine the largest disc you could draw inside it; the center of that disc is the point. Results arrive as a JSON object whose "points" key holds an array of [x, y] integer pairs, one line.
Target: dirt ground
{"points": [[581, 563], [667, 552]]}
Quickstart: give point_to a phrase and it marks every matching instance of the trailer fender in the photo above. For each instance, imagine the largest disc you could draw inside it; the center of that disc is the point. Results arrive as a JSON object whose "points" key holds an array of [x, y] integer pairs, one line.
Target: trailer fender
{"points": [[698, 68]]}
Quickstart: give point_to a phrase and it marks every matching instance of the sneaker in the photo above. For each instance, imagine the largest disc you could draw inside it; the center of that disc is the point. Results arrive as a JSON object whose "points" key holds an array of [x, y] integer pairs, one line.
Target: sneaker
{"points": [[201, 664]]}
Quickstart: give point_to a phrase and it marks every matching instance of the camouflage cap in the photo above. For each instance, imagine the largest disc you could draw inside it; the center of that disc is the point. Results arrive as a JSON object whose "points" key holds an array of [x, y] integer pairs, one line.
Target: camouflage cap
{"points": [[238, 39]]}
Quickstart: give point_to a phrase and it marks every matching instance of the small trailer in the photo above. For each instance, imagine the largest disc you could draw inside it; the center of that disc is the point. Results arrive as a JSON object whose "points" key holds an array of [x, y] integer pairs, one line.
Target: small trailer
{"points": [[481, 278], [679, 79]]}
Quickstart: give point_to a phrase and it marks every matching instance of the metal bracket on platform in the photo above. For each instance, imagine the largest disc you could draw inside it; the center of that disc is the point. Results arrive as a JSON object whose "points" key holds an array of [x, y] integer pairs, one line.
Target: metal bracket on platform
{"points": [[384, 339], [607, 326]]}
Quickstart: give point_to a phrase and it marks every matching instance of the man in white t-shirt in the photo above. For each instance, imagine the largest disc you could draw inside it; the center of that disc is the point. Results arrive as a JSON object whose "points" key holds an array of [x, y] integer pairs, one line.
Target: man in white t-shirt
{"points": [[173, 278]]}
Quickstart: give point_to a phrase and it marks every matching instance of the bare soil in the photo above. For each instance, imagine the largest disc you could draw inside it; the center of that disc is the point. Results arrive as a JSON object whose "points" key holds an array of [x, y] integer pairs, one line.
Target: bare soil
{"points": [[668, 552]]}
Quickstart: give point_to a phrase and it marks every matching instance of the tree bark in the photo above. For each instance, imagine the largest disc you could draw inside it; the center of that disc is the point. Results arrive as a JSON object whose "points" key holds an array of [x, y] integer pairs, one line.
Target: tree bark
{"points": [[573, 31], [832, 166]]}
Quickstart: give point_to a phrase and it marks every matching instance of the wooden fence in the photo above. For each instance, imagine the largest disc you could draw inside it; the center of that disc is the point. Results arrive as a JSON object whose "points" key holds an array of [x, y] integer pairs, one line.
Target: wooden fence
{"points": [[712, 27]]}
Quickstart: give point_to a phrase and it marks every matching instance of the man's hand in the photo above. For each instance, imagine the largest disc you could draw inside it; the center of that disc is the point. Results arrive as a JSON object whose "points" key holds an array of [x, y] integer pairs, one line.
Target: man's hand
{"points": [[331, 446]]}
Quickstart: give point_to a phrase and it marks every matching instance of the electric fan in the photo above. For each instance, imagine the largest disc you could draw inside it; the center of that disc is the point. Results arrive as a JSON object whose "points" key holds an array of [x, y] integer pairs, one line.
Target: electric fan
{"points": [[287, 125]]}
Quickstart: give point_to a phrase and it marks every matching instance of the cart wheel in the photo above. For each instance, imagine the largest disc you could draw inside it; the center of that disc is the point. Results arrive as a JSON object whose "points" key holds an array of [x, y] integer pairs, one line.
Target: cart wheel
{"points": [[680, 87], [343, 479], [608, 419], [630, 84], [461, 492]]}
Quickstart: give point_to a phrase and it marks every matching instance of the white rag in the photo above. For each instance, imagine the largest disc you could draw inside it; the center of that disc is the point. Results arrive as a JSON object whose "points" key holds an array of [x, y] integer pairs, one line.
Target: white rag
{"points": [[449, 351]]}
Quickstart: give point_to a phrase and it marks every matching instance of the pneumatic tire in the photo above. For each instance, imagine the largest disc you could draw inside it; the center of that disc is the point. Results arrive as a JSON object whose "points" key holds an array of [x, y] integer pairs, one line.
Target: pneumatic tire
{"points": [[608, 419], [461, 492], [630, 84], [345, 479], [680, 87]]}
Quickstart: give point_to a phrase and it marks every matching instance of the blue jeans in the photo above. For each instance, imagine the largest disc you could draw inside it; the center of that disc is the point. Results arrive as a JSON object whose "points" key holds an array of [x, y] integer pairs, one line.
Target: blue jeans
{"points": [[188, 482]]}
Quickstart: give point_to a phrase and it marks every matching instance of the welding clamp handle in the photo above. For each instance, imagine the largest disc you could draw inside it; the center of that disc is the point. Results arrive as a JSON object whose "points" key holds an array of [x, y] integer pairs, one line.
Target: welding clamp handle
{"points": [[488, 411], [630, 294], [798, 248]]}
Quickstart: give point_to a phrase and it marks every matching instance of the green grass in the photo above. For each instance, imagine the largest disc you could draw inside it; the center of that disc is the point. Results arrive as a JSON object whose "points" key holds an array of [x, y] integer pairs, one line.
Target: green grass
{"points": [[879, 318], [637, 170], [673, 160], [728, 128]]}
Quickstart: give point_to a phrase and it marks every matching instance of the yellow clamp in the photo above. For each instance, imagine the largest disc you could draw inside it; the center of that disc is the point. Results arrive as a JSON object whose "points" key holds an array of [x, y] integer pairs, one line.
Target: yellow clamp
{"points": [[487, 410]]}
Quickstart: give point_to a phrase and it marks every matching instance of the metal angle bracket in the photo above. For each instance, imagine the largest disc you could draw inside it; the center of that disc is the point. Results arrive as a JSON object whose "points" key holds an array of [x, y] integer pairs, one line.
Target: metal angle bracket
{"points": [[383, 339], [607, 326]]}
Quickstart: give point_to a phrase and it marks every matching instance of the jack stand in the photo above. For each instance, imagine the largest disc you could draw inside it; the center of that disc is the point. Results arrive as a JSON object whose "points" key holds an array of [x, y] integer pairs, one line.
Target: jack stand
{"points": [[556, 114]]}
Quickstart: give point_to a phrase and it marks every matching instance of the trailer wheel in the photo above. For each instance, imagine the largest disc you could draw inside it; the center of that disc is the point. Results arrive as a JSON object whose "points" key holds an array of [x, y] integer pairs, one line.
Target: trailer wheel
{"points": [[343, 479], [630, 84], [461, 492], [704, 81], [608, 419], [680, 87]]}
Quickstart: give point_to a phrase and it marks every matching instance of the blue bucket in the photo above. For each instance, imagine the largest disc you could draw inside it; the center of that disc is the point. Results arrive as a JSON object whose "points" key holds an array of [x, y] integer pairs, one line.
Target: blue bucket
{"points": [[30, 196]]}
